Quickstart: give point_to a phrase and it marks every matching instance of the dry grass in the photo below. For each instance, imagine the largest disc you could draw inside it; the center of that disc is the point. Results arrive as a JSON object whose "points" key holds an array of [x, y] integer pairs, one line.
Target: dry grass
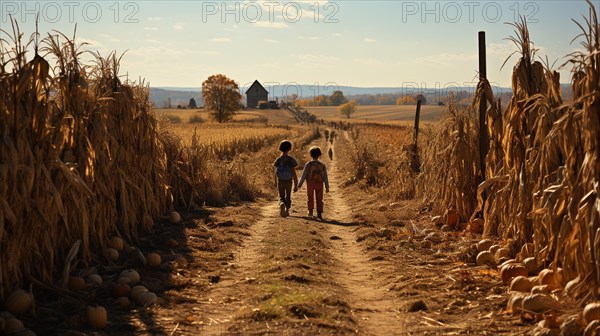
{"points": [[185, 114], [382, 157]]}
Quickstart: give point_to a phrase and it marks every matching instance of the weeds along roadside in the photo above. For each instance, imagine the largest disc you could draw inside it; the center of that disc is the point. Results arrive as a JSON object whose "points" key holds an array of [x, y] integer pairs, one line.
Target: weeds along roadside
{"points": [[381, 157]]}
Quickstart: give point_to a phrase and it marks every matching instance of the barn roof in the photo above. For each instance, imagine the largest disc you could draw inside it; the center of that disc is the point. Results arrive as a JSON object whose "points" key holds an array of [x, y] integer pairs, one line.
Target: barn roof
{"points": [[258, 85]]}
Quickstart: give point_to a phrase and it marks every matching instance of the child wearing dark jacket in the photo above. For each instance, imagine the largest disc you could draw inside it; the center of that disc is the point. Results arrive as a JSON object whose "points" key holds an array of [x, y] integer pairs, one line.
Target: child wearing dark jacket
{"points": [[285, 174], [315, 175]]}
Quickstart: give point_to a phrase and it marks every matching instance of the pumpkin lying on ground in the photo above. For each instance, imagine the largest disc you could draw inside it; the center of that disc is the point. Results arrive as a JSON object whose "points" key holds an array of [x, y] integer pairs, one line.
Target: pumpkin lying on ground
{"points": [[97, 317], [18, 302]]}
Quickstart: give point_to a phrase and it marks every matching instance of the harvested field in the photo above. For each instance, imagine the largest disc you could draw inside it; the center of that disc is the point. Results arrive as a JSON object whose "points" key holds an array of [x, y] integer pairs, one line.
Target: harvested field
{"points": [[392, 114]]}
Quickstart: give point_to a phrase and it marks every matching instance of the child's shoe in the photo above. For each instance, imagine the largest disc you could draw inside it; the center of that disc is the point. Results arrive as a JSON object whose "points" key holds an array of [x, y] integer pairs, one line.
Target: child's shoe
{"points": [[310, 213], [319, 215], [282, 211]]}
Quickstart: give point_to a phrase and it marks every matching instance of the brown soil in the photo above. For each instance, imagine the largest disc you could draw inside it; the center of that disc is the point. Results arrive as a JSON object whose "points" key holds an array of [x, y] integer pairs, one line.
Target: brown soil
{"points": [[366, 269]]}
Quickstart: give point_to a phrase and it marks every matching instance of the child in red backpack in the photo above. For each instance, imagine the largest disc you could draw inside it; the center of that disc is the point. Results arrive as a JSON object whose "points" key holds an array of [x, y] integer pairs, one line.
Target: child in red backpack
{"points": [[315, 175]]}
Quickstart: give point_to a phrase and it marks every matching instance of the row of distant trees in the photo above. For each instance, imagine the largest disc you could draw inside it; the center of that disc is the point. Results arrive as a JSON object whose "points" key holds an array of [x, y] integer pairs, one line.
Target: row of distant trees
{"points": [[337, 98]]}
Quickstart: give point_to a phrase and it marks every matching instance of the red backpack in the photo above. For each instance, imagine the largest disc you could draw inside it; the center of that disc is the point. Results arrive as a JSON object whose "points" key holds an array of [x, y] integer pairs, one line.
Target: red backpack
{"points": [[316, 170]]}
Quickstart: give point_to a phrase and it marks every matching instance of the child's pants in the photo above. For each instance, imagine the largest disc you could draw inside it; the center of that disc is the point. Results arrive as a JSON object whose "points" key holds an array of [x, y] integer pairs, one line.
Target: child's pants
{"points": [[285, 192], [315, 190]]}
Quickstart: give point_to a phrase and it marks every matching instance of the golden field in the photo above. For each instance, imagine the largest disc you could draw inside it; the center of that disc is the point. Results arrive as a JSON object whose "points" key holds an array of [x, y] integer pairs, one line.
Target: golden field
{"points": [[393, 114], [213, 133], [273, 117]]}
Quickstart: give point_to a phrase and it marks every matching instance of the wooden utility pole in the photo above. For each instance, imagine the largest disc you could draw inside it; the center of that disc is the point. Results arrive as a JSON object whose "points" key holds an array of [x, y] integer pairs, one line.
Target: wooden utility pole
{"points": [[483, 131], [417, 117], [415, 162]]}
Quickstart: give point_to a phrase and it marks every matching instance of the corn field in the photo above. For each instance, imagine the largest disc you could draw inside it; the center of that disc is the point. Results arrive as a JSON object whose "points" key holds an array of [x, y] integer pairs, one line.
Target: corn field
{"points": [[452, 149], [542, 168], [83, 159]]}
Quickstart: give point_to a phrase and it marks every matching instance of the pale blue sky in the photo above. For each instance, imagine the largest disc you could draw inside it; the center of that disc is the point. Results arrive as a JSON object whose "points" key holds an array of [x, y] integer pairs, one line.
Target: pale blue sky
{"points": [[354, 43]]}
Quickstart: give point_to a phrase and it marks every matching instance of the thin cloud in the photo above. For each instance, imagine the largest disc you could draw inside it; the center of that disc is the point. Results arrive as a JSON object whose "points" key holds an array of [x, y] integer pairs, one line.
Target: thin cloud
{"points": [[313, 2], [152, 41], [110, 38], [367, 61], [369, 40], [155, 18], [154, 52], [271, 25], [91, 44], [151, 28], [221, 39], [445, 59], [309, 37], [336, 34], [178, 26], [317, 58], [271, 41]]}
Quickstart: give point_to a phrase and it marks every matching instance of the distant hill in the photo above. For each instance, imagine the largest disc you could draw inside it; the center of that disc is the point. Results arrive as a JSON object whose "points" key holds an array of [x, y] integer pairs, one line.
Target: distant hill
{"points": [[160, 97], [181, 95]]}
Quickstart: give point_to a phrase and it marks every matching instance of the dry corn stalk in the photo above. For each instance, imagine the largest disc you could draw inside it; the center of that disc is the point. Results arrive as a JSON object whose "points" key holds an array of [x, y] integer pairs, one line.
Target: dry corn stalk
{"points": [[546, 177], [450, 162], [79, 158]]}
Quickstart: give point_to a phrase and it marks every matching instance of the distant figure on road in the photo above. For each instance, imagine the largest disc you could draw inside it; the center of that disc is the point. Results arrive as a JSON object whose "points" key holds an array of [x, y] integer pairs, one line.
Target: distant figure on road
{"points": [[285, 173], [315, 175], [330, 153]]}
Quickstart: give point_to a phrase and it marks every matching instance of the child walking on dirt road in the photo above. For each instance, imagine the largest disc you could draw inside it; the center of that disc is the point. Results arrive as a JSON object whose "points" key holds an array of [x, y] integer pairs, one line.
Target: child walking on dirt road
{"points": [[285, 173], [315, 175]]}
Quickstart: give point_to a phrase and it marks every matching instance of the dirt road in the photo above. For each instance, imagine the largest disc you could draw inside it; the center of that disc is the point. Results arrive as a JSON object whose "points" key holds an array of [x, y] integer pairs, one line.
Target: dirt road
{"points": [[299, 275], [369, 268]]}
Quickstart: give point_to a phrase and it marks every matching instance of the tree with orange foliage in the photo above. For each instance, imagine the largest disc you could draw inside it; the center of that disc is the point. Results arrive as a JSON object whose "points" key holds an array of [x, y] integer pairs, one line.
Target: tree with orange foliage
{"points": [[406, 100], [348, 108], [221, 97]]}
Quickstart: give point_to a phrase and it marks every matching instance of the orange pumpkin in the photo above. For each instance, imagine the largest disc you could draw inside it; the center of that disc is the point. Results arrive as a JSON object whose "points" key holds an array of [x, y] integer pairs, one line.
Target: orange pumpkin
{"points": [[76, 283], [117, 243], [476, 226], [153, 259], [18, 302], [120, 290], [97, 317], [452, 218], [549, 278], [521, 284], [174, 217], [111, 254], [511, 271], [12, 326], [171, 243]]}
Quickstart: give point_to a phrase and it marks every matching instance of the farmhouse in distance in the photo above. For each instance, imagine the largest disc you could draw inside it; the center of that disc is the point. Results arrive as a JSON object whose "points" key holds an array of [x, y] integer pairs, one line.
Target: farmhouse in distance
{"points": [[255, 94], [258, 97]]}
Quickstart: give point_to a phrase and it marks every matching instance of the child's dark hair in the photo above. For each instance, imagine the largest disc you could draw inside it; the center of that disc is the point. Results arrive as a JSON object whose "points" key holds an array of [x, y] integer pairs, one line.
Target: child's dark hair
{"points": [[315, 151], [285, 146]]}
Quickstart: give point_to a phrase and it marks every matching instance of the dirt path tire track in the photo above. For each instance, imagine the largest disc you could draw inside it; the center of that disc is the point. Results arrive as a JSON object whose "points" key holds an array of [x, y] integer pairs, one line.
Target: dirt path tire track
{"points": [[376, 311], [227, 299]]}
